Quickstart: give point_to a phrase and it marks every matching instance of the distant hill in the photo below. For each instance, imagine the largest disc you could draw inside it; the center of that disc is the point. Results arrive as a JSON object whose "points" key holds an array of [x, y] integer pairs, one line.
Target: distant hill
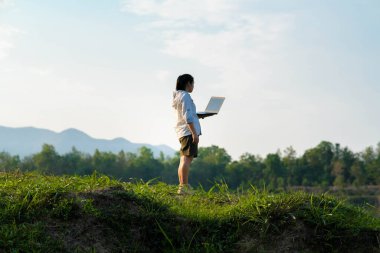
{"points": [[29, 140]]}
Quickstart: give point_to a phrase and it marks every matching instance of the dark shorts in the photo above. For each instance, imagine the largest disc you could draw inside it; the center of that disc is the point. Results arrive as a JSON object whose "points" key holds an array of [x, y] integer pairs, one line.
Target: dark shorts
{"points": [[188, 148]]}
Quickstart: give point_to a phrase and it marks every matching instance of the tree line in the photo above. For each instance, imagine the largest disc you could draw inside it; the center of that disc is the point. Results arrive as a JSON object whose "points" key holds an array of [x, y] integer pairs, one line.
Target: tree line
{"points": [[325, 165]]}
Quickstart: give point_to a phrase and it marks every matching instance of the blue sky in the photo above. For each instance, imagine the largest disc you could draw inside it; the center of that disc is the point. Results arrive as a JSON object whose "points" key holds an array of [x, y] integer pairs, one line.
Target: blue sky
{"points": [[294, 72]]}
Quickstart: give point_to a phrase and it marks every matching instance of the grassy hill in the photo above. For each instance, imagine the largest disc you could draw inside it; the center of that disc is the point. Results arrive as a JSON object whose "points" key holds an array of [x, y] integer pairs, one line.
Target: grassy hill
{"points": [[42, 213]]}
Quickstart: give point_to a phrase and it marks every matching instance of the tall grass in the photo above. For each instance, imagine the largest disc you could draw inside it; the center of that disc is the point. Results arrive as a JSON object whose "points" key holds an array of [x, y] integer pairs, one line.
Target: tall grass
{"points": [[41, 213]]}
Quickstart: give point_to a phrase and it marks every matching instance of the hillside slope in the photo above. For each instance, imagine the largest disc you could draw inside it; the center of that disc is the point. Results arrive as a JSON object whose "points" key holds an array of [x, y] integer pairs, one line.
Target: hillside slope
{"points": [[40, 213]]}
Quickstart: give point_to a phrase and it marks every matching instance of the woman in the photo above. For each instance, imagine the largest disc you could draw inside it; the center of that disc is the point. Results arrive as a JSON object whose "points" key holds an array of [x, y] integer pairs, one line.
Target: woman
{"points": [[188, 129]]}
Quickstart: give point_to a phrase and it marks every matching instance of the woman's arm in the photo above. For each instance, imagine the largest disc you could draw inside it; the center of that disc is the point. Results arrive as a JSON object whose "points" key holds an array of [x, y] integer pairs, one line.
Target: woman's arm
{"points": [[193, 133], [189, 117]]}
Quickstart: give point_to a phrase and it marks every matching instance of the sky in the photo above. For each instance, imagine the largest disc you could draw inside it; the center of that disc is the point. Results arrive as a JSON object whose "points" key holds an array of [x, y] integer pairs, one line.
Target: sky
{"points": [[294, 72]]}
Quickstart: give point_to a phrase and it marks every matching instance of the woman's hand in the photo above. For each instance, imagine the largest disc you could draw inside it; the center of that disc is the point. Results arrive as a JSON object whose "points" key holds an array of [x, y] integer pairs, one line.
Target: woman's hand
{"points": [[195, 138]]}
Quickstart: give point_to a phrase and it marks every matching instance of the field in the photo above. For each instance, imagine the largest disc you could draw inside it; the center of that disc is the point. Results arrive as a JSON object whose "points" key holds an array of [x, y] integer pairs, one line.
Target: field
{"points": [[41, 213]]}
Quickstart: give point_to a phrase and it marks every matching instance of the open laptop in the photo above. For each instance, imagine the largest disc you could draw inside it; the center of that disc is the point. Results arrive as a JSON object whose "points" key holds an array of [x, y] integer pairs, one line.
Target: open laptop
{"points": [[212, 108]]}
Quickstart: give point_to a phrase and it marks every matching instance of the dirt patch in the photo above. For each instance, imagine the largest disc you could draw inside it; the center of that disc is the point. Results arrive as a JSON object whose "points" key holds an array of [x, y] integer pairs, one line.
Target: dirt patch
{"points": [[300, 237], [83, 234], [87, 232], [289, 241]]}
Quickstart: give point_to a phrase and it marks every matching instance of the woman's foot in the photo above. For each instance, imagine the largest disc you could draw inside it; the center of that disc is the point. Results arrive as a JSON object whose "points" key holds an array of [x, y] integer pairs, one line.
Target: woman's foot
{"points": [[185, 189]]}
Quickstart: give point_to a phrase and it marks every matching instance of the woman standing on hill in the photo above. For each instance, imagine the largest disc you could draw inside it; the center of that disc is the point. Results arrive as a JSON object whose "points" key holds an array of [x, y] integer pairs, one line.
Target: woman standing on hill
{"points": [[188, 128]]}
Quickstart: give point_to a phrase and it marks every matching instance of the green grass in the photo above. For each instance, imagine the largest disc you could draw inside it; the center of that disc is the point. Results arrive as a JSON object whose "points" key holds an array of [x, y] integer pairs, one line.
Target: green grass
{"points": [[40, 213]]}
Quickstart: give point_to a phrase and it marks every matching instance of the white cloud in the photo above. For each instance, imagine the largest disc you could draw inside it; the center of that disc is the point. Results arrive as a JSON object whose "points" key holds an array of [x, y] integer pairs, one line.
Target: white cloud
{"points": [[40, 71], [7, 33], [187, 12], [218, 34], [5, 3], [250, 41], [164, 75]]}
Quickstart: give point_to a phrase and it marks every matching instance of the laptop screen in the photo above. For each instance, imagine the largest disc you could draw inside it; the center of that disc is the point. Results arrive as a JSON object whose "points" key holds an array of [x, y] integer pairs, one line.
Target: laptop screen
{"points": [[215, 104]]}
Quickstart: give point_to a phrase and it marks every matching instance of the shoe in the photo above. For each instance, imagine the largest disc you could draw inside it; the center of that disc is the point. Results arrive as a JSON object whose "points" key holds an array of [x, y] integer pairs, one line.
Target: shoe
{"points": [[185, 189]]}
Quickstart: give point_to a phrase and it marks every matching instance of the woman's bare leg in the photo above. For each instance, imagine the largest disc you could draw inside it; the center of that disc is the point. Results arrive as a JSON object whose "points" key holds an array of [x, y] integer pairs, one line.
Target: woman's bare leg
{"points": [[183, 169]]}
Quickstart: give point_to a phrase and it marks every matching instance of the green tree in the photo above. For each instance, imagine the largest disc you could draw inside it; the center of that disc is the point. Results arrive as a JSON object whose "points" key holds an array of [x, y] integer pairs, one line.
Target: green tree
{"points": [[9, 162], [75, 162], [348, 159], [247, 171], [210, 165], [291, 165], [274, 169], [318, 163], [338, 173], [358, 173], [145, 166], [48, 160], [371, 160], [343, 161], [106, 163]]}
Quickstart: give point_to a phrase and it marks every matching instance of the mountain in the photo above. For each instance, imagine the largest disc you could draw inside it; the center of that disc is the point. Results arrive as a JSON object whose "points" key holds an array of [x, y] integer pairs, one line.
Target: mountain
{"points": [[29, 140]]}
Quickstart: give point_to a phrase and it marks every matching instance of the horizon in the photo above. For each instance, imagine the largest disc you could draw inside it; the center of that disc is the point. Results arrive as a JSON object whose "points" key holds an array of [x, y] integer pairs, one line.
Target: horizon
{"points": [[293, 73], [376, 147], [34, 139]]}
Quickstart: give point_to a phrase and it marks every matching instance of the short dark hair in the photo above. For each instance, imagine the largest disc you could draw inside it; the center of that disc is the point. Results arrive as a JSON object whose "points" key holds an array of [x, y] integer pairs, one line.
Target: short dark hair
{"points": [[182, 81]]}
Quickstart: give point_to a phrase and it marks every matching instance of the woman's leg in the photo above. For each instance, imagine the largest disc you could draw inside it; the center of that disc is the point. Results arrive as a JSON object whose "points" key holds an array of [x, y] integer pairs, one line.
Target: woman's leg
{"points": [[183, 169]]}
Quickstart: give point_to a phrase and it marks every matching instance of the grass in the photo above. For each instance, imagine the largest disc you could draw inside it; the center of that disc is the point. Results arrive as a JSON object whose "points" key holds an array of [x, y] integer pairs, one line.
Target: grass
{"points": [[40, 213]]}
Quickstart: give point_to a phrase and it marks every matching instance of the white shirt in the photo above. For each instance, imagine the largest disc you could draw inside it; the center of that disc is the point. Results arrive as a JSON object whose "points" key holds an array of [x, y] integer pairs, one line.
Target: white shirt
{"points": [[186, 113]]}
